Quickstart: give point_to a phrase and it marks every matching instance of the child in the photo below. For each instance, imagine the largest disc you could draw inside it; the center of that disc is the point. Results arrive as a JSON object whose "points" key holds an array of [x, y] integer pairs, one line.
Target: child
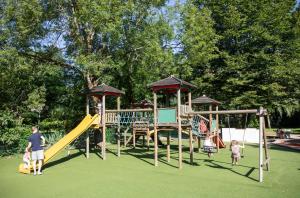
{"points": [[26, 159], [208, 145], [235, 151]]}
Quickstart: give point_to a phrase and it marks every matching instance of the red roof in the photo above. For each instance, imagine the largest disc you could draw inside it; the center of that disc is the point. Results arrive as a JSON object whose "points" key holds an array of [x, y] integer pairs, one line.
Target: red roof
{"points": [[104, 89], [171, 84], [205, 100]]}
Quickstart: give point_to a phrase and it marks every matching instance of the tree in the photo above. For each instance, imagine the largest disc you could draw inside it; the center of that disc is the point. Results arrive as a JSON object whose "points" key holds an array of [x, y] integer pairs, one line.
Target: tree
{"points": [[199, 41], [258, 60]]}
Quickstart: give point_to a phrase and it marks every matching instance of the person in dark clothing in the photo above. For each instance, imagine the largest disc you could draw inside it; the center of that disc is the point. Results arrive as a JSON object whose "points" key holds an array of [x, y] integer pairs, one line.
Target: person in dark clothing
{"points": [[37, 154]]}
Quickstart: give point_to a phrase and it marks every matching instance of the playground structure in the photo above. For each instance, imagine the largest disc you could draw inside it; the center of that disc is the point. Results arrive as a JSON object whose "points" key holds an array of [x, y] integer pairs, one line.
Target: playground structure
{"points": [[150, 121]]}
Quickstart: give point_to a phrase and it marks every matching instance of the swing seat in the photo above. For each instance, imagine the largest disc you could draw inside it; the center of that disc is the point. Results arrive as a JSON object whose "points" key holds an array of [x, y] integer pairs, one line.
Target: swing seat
{"points": [[209, 149]]}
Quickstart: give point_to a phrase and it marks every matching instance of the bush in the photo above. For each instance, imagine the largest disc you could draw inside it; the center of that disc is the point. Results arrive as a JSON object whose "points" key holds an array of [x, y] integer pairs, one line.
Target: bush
{"points": [[52, 137], [51, 124]]}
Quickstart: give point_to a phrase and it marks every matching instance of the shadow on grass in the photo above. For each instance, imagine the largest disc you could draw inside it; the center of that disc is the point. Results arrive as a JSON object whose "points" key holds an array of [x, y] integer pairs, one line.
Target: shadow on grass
{"points": [[139, 154], [214, 164], [283, 148], [64, 159]]}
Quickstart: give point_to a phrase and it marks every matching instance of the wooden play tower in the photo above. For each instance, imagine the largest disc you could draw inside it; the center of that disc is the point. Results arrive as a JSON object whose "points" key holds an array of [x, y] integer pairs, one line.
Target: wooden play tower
{"points": [[167, 86]]}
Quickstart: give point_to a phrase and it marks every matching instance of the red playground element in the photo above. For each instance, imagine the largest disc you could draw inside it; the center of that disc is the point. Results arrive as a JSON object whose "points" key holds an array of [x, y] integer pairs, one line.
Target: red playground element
{"points": [[221, 143]]}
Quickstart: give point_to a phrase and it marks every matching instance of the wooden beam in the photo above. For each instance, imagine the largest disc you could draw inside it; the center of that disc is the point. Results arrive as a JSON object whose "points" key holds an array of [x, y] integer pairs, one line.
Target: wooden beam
{"points": [[179, 130], [199, 144], [155, 130], [87, 138], [191, 147], [260, 163], [190, 100], [217, 129], [103, 151], [267, 157], [119, 127], [210, 119], [225, 112], [168, 147], [128, 110]]}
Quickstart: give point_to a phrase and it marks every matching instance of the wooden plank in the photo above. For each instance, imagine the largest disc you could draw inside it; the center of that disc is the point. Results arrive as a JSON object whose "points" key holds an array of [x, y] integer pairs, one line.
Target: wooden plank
{"points": [[128, 110], [225, 112]]}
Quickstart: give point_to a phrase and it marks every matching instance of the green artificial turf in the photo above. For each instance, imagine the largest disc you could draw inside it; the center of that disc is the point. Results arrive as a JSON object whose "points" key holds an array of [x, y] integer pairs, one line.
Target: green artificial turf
{"points": [[133, 175]]}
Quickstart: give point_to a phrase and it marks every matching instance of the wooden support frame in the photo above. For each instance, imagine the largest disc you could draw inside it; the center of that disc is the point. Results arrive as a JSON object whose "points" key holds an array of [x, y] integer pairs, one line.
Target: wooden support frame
{"points": [[260, 163], [217, 129], [179, 129], [210, 118], [103, 148], [261, 112], [87, 138], [119, 127], [190, 100], [191, 147], [168, 147], [155, 129]]}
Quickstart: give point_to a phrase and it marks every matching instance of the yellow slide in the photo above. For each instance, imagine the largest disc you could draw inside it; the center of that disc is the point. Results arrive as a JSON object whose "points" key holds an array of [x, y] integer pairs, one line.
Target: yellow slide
{"points": [[66, 140]]}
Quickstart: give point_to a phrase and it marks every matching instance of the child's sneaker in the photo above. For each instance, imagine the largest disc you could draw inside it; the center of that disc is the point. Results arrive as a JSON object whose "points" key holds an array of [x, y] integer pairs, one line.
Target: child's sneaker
{"points": [[40, 173], [34, 174]]}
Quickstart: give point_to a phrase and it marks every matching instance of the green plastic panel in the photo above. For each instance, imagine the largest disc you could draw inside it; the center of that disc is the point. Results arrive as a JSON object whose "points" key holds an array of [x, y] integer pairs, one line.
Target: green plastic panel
{"points": [[213, 125], [167, 116]]}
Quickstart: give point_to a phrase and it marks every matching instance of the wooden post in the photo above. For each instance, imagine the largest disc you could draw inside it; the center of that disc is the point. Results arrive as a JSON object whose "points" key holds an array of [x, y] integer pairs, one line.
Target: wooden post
{"points": [[133, 137], [148, 138], [266, 146], [210, 118], [217, 129], [125, 138], [191, 147], [190, 100], [269, 121], [199, 144], [179, 130], [168, 147], [119, 126], [155, 130], [87, 149], [103, 129], [260, 165]]}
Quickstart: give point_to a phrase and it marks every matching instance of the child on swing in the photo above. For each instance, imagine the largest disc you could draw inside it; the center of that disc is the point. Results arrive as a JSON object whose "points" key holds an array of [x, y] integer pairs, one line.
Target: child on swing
{"points": [[235, 151], [208, 145]]}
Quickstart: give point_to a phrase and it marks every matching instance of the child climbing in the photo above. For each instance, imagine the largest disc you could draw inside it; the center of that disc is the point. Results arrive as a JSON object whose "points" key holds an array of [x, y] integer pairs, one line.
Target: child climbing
{"points": [[235, 151], [26, 159]]}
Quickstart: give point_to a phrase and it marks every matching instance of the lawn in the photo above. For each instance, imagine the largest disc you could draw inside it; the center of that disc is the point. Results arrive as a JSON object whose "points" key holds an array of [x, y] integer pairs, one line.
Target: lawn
{"points": [[133, 175]]}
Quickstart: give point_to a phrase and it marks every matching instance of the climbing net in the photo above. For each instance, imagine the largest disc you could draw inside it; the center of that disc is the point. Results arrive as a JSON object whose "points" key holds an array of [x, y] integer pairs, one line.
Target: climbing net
{"points": [[199, 125], [128, 118]]}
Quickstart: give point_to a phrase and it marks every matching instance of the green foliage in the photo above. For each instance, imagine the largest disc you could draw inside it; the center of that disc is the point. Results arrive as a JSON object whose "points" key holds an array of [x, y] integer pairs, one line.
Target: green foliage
{"points": [[52, 137], [243, 53], [13, 137], [36, 100]]}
